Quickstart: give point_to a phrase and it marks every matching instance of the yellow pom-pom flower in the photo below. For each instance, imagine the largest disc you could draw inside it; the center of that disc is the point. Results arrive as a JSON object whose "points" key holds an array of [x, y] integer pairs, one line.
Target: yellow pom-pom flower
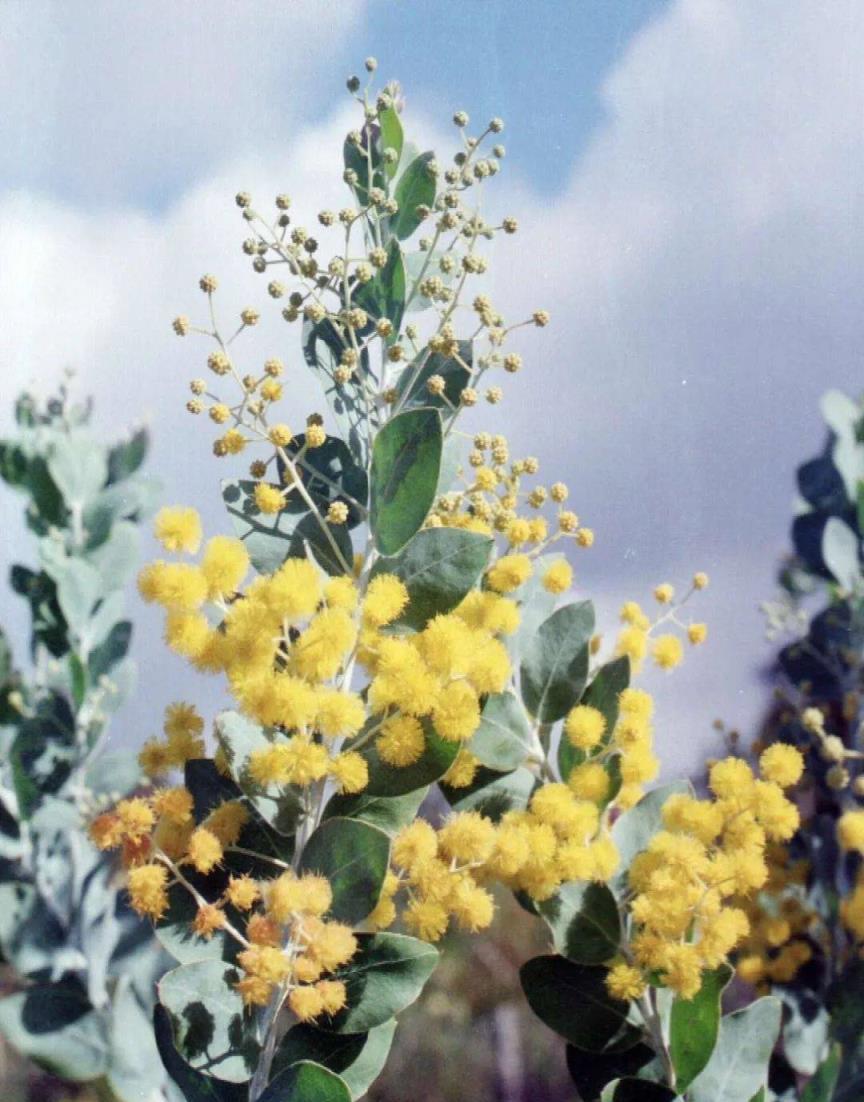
{"points": [[178, 529]]}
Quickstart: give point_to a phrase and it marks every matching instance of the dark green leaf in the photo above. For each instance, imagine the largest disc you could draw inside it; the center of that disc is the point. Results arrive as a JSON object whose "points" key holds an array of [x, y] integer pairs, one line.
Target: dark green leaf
{"points": [[603, 692], [591, 1071], [642, 1090], [694, 1027], [194, 1085], [391, 780], [416, 188], [439, 567], [821, 1086], [390, 813], [270, 540], [211, 1031], [384, 295], [493, 794], [503, 740], [406, 460], [573, 1001], [322, 349], [387, 973], [585, 923], [329, 474], [456, 374], [555, 662], [354, 857], [306, 1082], [358, 1058]]}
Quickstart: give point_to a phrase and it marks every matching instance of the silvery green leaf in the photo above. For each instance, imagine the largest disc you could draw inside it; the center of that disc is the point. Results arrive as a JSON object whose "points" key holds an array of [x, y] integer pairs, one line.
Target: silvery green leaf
{"points": [[116, 559], [840, 550], [78, 466], [738, 1067]]}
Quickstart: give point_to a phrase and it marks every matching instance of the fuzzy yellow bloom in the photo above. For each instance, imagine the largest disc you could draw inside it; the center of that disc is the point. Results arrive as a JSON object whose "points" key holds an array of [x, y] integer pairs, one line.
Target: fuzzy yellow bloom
{"points": [[850, 831], [175, 804], [697, 633], [415, 844], [205, 850], [224, 565], [242, 892], [177, 586], [558, 577], [636, 702], [331, 944], [632, 614], [456, 714], [208, 919], [467, 836], [472, 906], [307, 1003], [664, 593], [781, 763], [462, 771], [187, 633], [589, 781], [585, 727], [350, 771], [182, 719], [268, 498], [338, 714], [488, 611], [730, 778], [385, 600], [148, 890], [426, 918], [227, 821], [632, 643], [341, 592], [334, 995], [667, 652], [401, 741], [178, 529], [321, 650], [625, 982], [508, 573]]}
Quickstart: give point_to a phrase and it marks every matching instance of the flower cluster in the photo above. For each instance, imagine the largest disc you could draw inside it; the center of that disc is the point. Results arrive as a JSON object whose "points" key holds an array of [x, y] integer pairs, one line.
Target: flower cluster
{"points": [[639, 631], [686, 884]]}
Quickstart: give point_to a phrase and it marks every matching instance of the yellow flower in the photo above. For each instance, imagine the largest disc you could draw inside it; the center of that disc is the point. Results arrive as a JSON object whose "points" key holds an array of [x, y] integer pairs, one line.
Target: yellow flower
{"points": [[782, 764], [385, 600], [456, 714], [148, 890], [467, 836], [697, 633], [426, 918], [508, 573], [177, 586], [350, 771], [850, 831], [632, 643], [205, 850], [268, 498], [585, 727], [589, 781], [625, 982], [306, 1003], [178, 529], [558, 577], [401, 741], [667, 651], [224, 565]]}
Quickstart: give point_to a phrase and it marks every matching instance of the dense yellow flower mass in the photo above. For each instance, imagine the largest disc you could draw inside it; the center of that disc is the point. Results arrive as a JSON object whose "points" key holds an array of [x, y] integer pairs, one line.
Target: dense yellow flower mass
{"points": [[691, 884]]}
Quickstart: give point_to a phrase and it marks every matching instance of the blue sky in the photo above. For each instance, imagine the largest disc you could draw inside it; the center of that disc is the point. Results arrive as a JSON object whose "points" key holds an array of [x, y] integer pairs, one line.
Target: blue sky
{"points": [[687, 178]]}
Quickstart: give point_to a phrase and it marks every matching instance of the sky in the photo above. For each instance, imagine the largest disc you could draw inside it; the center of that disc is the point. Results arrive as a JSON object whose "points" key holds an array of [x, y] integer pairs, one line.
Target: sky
{"points": [[687, 177]]}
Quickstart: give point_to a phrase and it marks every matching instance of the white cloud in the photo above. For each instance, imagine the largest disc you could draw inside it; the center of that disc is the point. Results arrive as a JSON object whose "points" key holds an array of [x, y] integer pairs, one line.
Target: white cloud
{"points": [[704, 268], [106, 99]]}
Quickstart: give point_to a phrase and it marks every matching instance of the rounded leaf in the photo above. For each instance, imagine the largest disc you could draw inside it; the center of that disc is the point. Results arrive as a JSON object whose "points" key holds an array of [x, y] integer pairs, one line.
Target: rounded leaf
{"points": [[573, 1001], [406, 461], [555, 662], [354, 857]]}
